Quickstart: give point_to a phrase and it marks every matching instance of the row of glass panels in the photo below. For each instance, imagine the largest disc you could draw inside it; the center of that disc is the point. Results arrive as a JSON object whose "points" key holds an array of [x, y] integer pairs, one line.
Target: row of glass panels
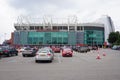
{"points": [[93, 37], [51, 38]]}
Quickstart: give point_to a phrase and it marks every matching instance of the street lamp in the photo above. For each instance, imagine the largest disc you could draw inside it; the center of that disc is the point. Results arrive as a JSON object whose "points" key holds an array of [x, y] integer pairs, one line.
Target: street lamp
{"points": [[5, 36]]}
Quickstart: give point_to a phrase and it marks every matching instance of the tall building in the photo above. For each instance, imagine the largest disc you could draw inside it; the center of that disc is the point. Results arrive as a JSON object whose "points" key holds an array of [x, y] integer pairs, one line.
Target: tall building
{"points": [[69, 33], [108, 25]]}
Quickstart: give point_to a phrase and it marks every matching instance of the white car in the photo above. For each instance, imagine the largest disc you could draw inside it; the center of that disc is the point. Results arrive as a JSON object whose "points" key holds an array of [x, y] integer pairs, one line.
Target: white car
{"points": [[22, 49], [44, 54], [28, 51]]}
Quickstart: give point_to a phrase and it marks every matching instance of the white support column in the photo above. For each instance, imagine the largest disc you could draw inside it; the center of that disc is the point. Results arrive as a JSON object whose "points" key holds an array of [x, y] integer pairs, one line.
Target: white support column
{"points": [[43, 22], [51, 24], [75, 26], [75, 23], [68, 24]]}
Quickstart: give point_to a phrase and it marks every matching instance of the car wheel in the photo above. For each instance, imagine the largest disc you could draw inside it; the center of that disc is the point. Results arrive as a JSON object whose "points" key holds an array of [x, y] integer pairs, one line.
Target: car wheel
{"points": [[50, 61], [16, 54], [36, 61], [0, 56], [9, 55], [24, 55], [33, 55]]}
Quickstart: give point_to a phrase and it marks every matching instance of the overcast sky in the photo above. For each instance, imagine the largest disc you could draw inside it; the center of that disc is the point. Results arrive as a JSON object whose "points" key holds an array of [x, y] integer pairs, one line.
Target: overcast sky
{"points": [[85, 10]]}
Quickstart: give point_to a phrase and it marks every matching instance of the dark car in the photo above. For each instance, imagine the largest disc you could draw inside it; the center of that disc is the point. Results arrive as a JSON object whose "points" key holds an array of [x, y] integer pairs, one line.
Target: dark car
{"points": [[0, 52], [83, 49], [75, 48], [9, 51]]}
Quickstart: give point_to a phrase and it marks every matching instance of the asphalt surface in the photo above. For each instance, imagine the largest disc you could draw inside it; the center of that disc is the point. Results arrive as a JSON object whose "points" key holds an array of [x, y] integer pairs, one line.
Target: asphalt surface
{"points": [[82, 66]]}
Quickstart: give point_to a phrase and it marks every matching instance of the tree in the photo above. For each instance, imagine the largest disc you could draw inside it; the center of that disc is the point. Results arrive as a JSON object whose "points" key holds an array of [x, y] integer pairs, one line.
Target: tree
{"points": [[118, 41], [114, 38]]}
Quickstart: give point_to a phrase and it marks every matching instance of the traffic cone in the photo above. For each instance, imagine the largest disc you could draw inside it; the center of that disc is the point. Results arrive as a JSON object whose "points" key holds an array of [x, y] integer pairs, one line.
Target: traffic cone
{"points": [[104, 54], [98, 56]]}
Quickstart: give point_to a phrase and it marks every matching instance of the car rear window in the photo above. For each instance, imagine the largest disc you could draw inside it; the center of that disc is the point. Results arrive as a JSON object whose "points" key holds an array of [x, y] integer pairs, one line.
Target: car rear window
{"points": [[43, 51], [5, 48], [67, 49], [28, 49]]}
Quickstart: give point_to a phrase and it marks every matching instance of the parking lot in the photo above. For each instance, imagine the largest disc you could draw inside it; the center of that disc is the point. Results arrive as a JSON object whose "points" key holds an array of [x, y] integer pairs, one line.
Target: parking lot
{"points": [[82, 66]]}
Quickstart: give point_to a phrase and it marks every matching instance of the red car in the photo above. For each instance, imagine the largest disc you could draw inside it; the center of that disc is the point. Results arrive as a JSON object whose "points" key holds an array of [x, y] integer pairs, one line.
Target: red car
{"points": [[56, 49], [67, 52]]}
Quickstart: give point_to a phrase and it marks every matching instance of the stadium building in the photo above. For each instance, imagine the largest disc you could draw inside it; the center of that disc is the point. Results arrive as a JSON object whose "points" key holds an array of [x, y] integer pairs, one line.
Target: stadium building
{"points": [[69, 33]]}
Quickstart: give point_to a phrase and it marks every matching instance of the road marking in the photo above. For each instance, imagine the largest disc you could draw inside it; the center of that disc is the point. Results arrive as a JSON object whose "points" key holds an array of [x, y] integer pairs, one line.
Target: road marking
{"points": [[59, 59], [11, 61]]}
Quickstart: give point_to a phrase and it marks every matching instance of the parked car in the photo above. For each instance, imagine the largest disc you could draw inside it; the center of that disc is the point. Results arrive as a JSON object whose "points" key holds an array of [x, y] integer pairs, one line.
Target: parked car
{"points": [[0, 52], [116, 47], [83, 49], [9, 51], [76, 48], [29, 52], [88, 48], [47, 48], [94, 48], [22, 49], [44, 54], [56, 48], [67, 52]]}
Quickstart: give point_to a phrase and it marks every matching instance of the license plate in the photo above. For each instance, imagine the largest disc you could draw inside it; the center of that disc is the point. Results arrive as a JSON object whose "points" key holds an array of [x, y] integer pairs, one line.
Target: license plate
{"points": [[42, 55], [68, 54]]}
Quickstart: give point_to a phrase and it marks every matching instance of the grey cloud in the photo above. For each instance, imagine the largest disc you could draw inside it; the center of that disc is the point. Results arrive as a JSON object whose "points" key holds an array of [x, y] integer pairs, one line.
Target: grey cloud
{"points": [[42, 6], [27, 4], [81, 8]]}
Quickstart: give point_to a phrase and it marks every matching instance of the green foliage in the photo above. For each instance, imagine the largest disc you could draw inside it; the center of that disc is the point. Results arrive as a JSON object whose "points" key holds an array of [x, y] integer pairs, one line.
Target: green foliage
{"points": [[118, 41], [114, 38]]}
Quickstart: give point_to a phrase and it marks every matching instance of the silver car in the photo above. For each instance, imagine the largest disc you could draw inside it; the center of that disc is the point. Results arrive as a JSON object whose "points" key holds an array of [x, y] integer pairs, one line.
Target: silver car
{"points": [[28, 52], [44, 54]]}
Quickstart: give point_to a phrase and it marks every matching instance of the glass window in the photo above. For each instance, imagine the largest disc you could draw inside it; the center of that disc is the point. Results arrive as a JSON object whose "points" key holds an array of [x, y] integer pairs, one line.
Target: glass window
{"points": [[55, 28], [93, 37], [30, 40], [31, 27], [65, 40], [65, 28], [71, 27]]}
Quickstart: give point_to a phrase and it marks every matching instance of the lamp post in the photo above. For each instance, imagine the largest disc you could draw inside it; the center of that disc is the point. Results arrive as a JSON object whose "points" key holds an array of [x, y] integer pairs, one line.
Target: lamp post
{"points": [[0, 39], [5, 36]]}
